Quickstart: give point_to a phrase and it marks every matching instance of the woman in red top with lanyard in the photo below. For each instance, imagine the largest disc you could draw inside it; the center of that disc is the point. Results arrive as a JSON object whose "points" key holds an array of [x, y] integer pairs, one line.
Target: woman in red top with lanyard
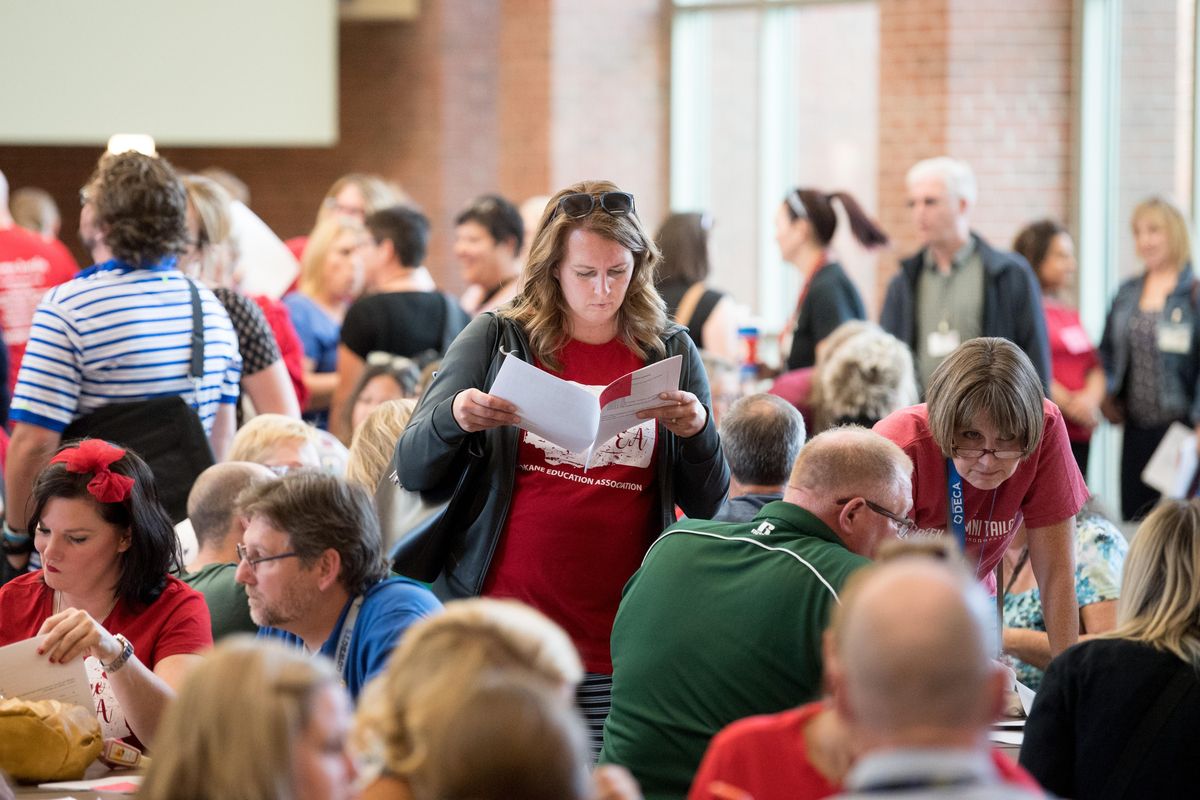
{"points": [[804, 227], [991, 454]]}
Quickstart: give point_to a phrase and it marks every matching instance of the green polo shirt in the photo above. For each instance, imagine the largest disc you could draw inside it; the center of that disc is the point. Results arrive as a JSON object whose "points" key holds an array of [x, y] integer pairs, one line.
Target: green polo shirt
{"points": [[722, 621], [226, 598]]}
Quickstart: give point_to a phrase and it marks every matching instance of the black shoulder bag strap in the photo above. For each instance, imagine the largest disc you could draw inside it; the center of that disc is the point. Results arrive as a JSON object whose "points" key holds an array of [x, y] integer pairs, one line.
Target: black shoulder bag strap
{"points": [[448, 331], [196, 370], [1147, 731]]}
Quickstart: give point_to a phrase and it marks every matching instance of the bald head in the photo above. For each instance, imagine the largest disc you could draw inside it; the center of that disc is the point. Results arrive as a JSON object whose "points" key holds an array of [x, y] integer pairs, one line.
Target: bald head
{"points": [[913, 648], [212, 503], [849, 461]]}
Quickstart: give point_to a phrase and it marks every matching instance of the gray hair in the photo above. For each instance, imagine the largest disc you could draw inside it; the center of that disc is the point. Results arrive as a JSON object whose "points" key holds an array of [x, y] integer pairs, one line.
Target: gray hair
{"points": [[761, 435], [866, 378], [957, 175]]}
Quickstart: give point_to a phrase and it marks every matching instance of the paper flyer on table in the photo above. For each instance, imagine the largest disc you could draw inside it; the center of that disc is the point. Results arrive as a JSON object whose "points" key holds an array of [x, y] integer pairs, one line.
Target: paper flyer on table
{"points": [[25, 674], [570, 416]]}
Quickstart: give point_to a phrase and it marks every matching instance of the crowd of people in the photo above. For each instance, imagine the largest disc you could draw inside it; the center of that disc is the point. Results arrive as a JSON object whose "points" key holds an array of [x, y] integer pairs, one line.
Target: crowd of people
{"points": [[823, 584]]}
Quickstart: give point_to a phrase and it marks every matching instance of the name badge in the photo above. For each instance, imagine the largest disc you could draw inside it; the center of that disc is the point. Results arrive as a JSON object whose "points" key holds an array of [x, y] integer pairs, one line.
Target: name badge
{"points": [[941, 343], [1075, 340], [1174, 338]]}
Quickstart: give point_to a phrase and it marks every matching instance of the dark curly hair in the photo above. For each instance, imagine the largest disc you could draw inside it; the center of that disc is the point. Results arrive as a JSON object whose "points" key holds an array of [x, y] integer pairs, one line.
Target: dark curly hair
{"points": [[154, 550], [141, 206]]}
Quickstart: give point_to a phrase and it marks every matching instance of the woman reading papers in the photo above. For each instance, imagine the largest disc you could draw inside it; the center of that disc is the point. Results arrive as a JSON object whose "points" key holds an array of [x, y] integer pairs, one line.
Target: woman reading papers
{"points": [[543, 530]]}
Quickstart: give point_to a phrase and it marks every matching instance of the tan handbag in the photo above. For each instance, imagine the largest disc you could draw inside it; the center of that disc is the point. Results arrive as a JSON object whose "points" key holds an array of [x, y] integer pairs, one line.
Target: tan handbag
{"points": [[45, 740]]}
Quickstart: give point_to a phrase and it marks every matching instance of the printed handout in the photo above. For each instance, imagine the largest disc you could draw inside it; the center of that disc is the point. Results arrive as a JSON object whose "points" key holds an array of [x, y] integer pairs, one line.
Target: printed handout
{"points": [[25, 674], [569, 415]]}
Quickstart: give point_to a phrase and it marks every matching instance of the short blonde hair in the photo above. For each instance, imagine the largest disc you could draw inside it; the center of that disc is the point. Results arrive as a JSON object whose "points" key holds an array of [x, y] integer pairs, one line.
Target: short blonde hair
{"points": [[269, 689], [1160, 588], [866, 378], [374, 443], [1179, 243], [320, 242], [255, 439], [501, 737], [443, 653], [989, 376]]}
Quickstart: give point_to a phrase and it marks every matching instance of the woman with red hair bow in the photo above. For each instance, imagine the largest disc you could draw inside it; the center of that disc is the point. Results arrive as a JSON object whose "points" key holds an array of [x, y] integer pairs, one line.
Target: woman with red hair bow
{"points": [[105, 593]]}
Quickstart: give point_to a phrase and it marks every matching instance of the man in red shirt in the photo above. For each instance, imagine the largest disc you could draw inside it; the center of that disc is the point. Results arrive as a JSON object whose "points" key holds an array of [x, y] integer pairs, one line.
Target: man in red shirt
{"points": [[28, 267]]}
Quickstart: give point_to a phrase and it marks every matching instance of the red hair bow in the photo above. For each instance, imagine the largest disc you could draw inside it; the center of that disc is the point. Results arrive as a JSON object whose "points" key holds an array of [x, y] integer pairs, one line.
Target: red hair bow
{"points": [[95, 456]]}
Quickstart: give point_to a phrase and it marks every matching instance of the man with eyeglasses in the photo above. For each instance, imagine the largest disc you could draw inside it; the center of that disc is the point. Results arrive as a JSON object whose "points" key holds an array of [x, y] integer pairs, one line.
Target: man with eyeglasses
{"points": [[724, 620], [313, 566]]}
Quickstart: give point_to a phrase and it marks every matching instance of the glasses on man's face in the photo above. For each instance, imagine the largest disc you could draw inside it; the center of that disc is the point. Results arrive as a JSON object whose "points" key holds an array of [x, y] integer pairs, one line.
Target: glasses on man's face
{"points": [[580, 204], [904, 525], [980, 452], [244, 555]]}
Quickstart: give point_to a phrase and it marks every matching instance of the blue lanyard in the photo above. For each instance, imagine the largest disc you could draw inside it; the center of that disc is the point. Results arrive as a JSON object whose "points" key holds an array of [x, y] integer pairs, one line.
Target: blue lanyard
{"points": [[956, 517]]}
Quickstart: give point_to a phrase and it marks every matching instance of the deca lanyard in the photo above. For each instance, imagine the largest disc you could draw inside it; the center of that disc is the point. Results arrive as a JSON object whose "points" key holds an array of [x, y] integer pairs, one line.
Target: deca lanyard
{"points": [[956, 516], [343, 647]]}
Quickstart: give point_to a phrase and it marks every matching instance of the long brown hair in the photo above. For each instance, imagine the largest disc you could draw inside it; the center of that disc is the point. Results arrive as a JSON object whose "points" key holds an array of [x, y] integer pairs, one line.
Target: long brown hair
{"points": [[541, 308]]}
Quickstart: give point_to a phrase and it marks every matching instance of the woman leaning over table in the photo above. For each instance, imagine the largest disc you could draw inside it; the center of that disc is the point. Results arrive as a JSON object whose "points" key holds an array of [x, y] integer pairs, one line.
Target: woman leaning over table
{"points": [[1151, 348], [105, 593], [990, 456], [542, 530]]}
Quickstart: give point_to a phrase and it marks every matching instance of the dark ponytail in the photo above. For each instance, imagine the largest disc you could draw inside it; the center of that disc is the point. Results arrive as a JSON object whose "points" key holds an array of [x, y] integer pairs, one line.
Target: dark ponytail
{"points": [[817, 208]]}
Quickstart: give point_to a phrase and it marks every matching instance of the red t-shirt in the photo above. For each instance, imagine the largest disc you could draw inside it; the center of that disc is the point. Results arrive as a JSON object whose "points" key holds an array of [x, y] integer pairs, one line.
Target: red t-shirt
{"points": [[1072, 355], [1046, 488], [29, 265], [291, 349], [176, 623], [573, 538], [767, 758]]}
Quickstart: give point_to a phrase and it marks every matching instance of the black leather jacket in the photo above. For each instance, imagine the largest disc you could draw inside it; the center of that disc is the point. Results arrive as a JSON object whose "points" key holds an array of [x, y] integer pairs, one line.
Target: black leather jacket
{"points": [[691, 472]]}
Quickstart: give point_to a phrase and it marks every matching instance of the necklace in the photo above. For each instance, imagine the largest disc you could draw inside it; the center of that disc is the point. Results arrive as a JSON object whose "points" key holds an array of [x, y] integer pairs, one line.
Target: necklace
{"points": [[57, 606]]}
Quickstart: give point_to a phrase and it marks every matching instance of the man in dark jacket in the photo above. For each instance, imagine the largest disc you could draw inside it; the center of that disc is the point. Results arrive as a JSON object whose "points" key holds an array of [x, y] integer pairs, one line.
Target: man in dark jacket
{"points": [[958, 287]]}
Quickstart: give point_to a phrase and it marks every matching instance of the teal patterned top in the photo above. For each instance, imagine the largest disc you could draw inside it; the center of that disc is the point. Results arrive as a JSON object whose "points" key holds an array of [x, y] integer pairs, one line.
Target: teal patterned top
{"points": [[1099, 556]]}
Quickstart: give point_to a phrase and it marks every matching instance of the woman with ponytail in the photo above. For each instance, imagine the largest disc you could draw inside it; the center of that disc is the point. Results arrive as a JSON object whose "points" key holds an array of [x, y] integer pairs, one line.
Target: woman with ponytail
{"points": [[804, 228]]}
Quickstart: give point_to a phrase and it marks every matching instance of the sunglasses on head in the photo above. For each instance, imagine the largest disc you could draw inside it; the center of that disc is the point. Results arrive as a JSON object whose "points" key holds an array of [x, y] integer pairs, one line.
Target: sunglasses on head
{"points": [[580, 204]]}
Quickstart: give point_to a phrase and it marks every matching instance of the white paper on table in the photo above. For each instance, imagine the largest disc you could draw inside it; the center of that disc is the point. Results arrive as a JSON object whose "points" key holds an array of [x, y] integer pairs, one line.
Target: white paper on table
{"points": [[1026, 694], [1173, 465], [569, 415], [266, 265], [1007, 737], [95, 785], [25, 674]]}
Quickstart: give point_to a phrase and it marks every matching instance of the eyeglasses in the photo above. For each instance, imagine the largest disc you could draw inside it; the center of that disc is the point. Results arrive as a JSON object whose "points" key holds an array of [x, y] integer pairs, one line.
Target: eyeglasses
{"points": [[904, 525], [244, 555], [980, 452], [580, 204]]}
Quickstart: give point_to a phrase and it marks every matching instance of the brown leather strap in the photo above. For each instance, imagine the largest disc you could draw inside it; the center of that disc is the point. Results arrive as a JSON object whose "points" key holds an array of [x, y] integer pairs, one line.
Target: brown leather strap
{"points": [[688, 303]]}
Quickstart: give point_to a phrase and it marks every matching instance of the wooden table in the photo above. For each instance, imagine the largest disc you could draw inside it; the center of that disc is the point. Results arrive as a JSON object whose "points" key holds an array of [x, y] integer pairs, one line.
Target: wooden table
{"points": [[94, 772]]}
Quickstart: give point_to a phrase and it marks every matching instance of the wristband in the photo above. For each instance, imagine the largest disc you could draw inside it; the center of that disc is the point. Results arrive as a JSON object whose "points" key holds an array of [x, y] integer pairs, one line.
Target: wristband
{"points": [[16, 544]]}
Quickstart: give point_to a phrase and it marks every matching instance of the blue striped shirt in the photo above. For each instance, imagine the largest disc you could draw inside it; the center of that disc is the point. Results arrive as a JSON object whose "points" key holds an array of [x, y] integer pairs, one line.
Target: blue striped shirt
{"points": [[117, 334]]}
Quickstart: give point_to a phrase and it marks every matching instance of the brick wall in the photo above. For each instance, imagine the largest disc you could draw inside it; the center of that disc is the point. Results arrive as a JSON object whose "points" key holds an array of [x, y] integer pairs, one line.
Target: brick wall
{"points": [[470, 97], [988, 83]]}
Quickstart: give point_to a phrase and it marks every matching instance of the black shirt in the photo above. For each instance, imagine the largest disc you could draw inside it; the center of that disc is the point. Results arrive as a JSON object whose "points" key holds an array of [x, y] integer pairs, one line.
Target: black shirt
{"points": [[1092, 699], [402, 323]]}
